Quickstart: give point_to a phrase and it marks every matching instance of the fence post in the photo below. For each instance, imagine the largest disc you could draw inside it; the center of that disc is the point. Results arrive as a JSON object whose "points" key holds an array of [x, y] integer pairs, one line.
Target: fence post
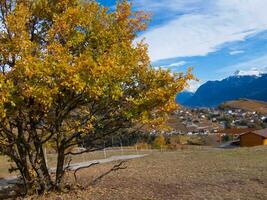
{"points": [[105, 154], [136, 149], [121, 147]]}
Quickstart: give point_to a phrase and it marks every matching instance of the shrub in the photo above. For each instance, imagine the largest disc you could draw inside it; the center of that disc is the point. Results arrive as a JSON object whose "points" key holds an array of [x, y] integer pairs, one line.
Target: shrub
{"points": [[159, 142]]}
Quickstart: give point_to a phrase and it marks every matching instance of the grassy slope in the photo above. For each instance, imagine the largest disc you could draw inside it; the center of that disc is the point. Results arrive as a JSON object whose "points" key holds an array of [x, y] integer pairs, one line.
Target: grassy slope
{"points": [[204, 173], [249, 105]]}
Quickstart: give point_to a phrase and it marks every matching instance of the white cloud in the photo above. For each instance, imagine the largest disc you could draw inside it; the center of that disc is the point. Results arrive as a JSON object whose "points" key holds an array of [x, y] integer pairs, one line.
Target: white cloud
{"points": [[171, 66], [199, 33], [181, 6], [194, 85], [177, 64], [255, 64], [232, 53], [251, 72]]}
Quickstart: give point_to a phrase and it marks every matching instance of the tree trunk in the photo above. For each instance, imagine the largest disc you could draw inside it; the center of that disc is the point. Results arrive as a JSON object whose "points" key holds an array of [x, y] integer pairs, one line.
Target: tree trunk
{"points": [[43, 166], [60, 167], [41, 181]]}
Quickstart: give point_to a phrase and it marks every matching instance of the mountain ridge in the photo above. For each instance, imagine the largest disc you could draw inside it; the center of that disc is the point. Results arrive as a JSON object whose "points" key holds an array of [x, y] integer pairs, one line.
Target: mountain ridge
{"points": [[213, 93]]}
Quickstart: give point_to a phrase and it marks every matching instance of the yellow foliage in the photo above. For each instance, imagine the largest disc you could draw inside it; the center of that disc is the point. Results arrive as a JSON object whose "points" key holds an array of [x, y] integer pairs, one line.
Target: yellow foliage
{"points": [[70, 73], [159, 142], [60, 58]]}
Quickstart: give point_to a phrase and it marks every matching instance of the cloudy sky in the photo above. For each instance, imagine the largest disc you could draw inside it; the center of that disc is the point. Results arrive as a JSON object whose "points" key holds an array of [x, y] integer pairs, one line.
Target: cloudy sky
{"points": [[216, 37]]}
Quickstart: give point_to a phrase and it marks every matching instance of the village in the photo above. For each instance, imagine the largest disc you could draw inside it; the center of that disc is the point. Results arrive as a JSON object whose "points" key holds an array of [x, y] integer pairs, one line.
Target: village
{"points": [[222, 125], [209, 121]]}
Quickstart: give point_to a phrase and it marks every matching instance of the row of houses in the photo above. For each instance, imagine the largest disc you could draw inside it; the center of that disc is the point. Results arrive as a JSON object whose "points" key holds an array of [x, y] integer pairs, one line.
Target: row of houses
{"points": [[212, 122]]}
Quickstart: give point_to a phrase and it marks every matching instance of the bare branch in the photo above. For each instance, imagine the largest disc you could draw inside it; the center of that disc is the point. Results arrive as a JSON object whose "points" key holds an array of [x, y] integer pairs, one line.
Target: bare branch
{"points": [[114, 168], [84, 167]]}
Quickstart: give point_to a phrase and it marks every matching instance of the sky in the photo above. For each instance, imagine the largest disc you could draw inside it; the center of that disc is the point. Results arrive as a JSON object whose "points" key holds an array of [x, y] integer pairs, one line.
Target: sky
{"points": [[215, 37]]}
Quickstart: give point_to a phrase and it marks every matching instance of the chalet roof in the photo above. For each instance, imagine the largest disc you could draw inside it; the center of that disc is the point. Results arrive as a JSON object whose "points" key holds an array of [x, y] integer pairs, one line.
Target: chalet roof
{"points": [[236, 131], [262, 132]]}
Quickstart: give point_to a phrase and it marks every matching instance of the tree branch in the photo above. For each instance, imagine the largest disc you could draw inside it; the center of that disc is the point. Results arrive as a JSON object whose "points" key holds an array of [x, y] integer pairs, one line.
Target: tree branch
{"points": [[114, 168], [84, 167]]}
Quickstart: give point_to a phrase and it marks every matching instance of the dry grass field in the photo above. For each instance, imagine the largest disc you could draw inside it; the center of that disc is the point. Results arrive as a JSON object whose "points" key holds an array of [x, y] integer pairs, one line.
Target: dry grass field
{"points": [[249, 105], [192, 173]]}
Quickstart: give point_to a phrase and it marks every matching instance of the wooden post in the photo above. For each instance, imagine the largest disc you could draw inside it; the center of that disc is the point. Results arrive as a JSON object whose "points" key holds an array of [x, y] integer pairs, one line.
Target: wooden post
{"points": [[121, 147], [105, 154]]}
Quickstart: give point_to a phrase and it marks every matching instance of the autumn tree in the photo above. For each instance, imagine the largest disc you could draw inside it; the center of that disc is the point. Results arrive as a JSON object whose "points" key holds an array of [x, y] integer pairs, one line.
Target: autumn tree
{"points": [[159, 142], [71, 70]]}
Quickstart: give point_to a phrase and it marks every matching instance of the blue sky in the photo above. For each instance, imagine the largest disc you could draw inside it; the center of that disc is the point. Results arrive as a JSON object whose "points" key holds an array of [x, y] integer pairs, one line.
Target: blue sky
{"points": [[216, 37]]}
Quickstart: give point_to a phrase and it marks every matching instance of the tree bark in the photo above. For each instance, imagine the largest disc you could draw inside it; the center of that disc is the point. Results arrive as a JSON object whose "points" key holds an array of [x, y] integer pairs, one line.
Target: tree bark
{"points": [[60, 167]]}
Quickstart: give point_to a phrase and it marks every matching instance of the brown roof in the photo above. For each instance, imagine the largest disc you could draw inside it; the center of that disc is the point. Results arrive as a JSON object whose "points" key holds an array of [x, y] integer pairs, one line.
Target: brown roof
{"points": [[237, 131], [262, 132]]}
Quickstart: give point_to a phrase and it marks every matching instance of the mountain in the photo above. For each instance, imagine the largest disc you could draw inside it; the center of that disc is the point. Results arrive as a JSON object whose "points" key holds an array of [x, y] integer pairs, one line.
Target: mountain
{"points": [[213, 93], [184, 96]]}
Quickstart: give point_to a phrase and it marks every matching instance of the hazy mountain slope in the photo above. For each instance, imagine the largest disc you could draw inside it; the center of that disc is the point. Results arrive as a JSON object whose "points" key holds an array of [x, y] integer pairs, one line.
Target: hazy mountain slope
{"points": [[213, 93], [183, 97]]}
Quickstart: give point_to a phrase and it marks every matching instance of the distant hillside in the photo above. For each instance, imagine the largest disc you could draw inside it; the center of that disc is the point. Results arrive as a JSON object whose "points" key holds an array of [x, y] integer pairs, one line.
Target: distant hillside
{"points": [[214, 93], [183, 97], [246, 104]]}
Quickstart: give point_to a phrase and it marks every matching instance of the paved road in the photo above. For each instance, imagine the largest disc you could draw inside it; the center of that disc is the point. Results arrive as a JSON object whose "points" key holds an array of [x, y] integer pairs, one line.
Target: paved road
{"points": [[229, 145], [101, 161], [5, 182]]}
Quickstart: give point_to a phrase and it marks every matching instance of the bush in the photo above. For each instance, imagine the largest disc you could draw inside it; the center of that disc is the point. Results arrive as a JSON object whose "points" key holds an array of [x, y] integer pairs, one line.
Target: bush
{"points": [[159, 142]]}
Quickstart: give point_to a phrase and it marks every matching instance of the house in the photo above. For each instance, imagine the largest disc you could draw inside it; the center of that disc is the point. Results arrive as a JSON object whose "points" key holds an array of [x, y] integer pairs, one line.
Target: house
{"points": [[235, 132], [253, 138]]}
